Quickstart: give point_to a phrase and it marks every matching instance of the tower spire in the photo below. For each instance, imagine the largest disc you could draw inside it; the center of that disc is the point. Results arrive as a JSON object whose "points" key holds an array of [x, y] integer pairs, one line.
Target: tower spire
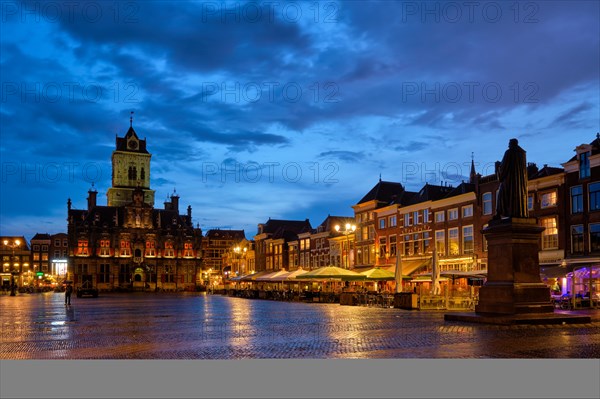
{"points": [[131, 119], [473, 174]]}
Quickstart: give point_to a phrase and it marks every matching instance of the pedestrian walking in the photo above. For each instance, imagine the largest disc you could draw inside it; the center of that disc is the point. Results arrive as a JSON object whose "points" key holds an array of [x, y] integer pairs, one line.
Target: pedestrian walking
{"points": [[68, 292]]}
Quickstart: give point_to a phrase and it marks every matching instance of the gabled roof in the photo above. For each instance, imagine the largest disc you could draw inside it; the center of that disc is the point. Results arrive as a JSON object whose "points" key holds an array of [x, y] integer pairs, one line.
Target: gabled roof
{"points": [[388, 193], [226, 234], [546, 171], [595, 147], [23, 246], [41, 236], [114, 216], [297, 226], [122, 142], [462, 188], [330, 221], [432, 192]]}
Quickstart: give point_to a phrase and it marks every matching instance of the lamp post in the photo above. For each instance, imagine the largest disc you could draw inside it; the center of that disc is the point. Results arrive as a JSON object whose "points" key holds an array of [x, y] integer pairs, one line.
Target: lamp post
{"points": [[349, 228], [12, 246], [239, 252]]}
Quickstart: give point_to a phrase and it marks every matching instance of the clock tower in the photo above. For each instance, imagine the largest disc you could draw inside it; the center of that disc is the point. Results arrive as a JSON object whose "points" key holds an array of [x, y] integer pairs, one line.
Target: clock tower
{"points": [[130, 170]]}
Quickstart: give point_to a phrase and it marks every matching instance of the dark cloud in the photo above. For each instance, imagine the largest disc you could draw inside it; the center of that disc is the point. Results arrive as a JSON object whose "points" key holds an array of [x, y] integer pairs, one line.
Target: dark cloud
{"points": [[412, 146], [382, 78], [571, 116], [345, 156]]}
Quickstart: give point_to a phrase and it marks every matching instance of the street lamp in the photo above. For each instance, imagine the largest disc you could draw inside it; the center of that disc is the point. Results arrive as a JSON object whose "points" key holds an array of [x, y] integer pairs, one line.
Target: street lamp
{"points": [[12, 245], [238, 254], [349, 228]]}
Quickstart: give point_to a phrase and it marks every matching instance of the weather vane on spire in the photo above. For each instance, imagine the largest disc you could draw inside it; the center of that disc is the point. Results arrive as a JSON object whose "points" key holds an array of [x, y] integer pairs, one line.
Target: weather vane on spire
{"points": [[131, 119]]}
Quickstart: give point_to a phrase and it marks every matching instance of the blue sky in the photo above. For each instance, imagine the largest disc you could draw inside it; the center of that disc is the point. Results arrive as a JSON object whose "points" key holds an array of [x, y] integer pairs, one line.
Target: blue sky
{"points": [[286, 109]]}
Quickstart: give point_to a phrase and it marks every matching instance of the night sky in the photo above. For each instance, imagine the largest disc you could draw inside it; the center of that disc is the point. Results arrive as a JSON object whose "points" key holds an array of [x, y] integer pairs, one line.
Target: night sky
{"points": [[284, 109]]}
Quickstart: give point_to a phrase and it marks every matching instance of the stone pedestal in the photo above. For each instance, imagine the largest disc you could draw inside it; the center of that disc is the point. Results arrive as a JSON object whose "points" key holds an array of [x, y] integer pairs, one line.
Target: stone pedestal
{"points": [[513, 285], [514, 292]]}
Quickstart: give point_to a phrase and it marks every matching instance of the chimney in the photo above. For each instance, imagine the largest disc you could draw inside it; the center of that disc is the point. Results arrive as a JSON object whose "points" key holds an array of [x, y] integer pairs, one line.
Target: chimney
{"points": [[92, 193], [532, 169], [189, 212], [175, 203]]}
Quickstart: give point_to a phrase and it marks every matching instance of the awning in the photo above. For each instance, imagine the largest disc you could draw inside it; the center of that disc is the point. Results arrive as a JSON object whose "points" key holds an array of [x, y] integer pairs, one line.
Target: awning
{"points": [[273, 276], [253, 277], [408, 266]]}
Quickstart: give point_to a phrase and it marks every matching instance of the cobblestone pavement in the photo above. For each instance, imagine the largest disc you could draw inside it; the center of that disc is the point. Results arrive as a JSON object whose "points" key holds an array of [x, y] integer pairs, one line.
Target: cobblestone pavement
{"points": [[194, 326]]}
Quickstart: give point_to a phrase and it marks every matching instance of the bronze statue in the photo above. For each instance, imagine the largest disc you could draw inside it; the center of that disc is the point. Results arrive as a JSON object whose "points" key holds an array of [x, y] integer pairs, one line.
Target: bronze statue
{"points": [[512, 193]]}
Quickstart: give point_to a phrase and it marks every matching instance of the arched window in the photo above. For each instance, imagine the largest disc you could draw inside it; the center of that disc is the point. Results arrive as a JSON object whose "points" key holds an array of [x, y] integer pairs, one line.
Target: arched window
{"points": [[142, 174]]}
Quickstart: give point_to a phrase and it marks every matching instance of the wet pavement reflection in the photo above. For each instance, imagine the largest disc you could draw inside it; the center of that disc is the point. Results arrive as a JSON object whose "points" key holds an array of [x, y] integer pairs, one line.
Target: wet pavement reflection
{"points": [[198, 326]]}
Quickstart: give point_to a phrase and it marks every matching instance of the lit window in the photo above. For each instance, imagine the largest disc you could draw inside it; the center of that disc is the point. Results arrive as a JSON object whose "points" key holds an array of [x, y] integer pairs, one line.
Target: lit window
{"points": [[104, 248], [392, 245], [440, 242], [382, 247], [169, 252], [468, 239], [550, 234], [453, 244], [82, 248], [150, 249], [548, 199], [125, 248]]}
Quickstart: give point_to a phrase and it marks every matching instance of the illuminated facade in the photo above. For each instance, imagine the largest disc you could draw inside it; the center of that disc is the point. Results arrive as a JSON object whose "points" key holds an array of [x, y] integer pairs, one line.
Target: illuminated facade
{"points": [[129, 244]]}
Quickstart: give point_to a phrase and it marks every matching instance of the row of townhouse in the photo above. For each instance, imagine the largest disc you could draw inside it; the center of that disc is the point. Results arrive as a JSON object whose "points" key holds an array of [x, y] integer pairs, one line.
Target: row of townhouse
{"points": [[390, 221], [35, 263]]}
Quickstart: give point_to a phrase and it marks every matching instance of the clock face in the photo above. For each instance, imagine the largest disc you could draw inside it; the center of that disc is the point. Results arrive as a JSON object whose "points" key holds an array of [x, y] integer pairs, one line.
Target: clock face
{"points": [[132, 144]]}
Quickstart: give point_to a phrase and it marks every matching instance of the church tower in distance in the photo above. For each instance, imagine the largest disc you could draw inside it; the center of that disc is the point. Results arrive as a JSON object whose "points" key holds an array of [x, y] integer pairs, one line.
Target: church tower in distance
{"points": [[130, 170]]}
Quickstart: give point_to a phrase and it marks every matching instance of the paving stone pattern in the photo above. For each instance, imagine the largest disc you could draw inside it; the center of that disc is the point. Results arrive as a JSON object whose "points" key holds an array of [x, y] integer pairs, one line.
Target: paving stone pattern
{"points": [[198, 326]]}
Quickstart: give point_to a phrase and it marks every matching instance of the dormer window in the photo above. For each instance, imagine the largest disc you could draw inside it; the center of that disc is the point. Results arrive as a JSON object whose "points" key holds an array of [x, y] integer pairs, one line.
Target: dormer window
{"points": [[584, 165]]}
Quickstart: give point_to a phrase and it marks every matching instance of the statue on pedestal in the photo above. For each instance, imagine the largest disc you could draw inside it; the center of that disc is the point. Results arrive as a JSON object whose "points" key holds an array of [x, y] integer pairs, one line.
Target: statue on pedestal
{"points": [[511, 201]]}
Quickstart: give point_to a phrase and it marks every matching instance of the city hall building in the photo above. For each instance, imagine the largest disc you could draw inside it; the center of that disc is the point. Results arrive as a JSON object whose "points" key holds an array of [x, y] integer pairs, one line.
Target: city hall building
{"points": [[130, 244]]}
